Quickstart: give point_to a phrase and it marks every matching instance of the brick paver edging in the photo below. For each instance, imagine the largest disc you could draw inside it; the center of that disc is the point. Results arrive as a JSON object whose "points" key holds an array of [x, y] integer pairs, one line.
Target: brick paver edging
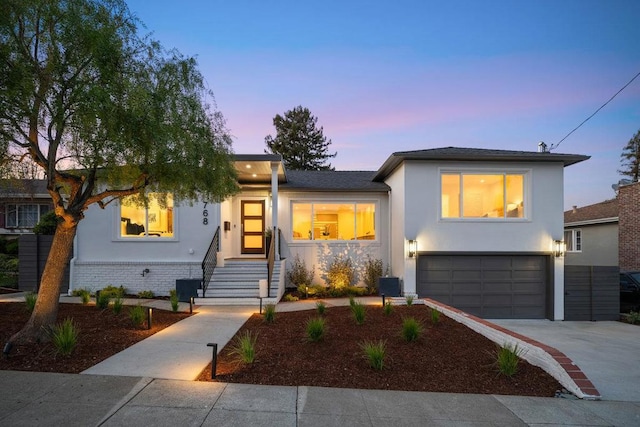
{"points": [[553, 361]]}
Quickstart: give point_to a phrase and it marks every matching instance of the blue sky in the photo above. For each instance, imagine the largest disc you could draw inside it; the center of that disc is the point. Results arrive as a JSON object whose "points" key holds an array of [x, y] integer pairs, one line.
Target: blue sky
{"points": [[409, 75]]}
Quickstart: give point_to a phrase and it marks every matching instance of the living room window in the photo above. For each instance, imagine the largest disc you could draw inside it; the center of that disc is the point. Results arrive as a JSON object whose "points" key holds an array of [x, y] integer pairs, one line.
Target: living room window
{"points": [[573, 239], [153, 220], [24, 215], [333, 221], [482, 195]]}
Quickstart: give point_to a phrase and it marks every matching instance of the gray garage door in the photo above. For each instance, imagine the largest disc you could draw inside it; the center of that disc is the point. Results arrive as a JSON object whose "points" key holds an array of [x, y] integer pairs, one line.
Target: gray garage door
{"points": [[488, 286]]}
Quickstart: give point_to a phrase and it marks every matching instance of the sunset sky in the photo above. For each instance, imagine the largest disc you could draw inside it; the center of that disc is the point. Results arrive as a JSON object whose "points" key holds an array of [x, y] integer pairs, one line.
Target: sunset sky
{"points": [[385, 76]]}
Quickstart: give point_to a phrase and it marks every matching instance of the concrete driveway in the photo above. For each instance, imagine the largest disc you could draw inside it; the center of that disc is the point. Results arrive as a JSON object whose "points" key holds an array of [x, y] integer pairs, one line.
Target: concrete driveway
{"points": [[607, 352]]}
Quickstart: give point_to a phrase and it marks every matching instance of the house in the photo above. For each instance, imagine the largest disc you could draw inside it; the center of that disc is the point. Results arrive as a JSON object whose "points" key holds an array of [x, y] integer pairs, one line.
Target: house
{"points": [[591, 234], [22, 203], [473, 228]]}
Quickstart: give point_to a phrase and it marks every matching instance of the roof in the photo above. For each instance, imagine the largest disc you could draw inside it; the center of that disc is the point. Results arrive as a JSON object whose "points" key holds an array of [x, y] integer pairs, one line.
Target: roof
{"points": [[598, 213], [24, 188], [474, 155], [327, 180]]}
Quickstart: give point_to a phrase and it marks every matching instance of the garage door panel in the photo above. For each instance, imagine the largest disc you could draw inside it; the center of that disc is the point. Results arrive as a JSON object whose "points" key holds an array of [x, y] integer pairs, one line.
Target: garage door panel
{"points": [[525, 300], [497, 275], [529, 263], [466, 288], [461, 275], [466, 300], [496, 300], [526, 274], [465, 263], [497, 288], [527, 287], [437, 275], [496, 262]]}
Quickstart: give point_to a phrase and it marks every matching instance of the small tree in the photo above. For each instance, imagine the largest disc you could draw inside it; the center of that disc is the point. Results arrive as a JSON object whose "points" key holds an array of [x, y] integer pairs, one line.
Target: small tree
{"points": [[630, 158], [301, 144]]}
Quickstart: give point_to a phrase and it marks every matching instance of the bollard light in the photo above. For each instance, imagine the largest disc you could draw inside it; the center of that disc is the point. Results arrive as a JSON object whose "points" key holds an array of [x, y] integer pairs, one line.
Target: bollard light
{"points": [[214, 359], [191, 302], [149, 317], [383, 300], [7, 349]]}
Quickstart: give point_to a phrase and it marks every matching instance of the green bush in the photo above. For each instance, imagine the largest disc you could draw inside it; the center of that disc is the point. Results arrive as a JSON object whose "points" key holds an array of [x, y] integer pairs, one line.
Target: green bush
{"points": [[372, 272], [269, 313], [64, 337], [359, 312], [117, 305], [633, 317], [146, 294], [290, 298], [113, 291], [507, 359], [321, 308], [136, 314], [313, 291], [315, 329], [298, 274], [47, 224], [11, 246], [103, 299], [411, 329], [30, 300], [84, 294], [387, 308], [410, 300], [341, 273], [374, 352], [435, 316], [173, 299], [244, 347]]}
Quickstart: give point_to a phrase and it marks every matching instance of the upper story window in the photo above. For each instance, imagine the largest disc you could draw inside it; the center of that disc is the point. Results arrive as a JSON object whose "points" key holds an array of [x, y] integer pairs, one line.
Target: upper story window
{"points": [[155, 220], [482, 195], [24, 215], [573, 239], [333, 221]]}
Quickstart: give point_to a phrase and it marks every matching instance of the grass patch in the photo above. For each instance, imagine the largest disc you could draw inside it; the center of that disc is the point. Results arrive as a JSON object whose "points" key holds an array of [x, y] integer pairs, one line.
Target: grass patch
{"points": [[30, 300], [411, 329], [269, 313], [315, 329], [359, 312], [244, 347], [374, 352], [507, 359], [146, 294], [64, 337]]}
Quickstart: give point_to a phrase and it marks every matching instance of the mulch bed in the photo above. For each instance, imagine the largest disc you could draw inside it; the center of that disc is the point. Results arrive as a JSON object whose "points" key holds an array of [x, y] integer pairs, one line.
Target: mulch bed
{"points": [[101, 335], [448, 357]]}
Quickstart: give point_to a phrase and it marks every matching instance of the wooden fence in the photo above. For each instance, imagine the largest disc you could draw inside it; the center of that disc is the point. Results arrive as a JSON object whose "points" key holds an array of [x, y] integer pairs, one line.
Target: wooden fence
{"points": [[591, 292]]}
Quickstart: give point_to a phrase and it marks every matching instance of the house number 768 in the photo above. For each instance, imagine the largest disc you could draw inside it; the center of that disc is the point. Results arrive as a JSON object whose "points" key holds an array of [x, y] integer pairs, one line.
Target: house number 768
{"points": [[205, 214]]}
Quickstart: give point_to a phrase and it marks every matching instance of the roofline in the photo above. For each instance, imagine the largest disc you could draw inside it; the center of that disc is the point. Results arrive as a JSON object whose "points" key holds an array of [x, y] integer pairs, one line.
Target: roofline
{"points": [[257, 157], [592, 221], [397, 158], [288, 189]]}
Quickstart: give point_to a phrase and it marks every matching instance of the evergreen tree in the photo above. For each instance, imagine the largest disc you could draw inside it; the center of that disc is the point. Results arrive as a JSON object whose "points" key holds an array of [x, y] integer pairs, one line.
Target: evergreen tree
{"points": [[301, 144], [630, 158]]}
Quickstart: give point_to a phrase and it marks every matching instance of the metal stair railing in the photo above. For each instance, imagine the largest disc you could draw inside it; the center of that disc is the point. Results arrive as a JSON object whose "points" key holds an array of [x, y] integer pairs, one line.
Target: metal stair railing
{"points": [[210, 261], [271, 260]]}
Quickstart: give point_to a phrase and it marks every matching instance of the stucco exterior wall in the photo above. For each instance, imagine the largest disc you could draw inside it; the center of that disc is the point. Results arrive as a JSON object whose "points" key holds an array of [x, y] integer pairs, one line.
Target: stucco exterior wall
{"points": [[599, 246]]}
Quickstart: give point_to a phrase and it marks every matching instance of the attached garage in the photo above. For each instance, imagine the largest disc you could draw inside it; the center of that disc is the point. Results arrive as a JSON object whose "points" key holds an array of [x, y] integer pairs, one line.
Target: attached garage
{"points": [[488, 285]]}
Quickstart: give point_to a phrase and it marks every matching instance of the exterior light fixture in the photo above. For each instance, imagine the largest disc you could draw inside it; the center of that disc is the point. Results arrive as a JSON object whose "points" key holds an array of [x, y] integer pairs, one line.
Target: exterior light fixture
{"points": [[413, 248], [559, 248]]}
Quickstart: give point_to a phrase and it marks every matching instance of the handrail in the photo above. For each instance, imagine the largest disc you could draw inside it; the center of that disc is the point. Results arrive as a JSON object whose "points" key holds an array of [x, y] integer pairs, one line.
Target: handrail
{"points": [[270, 261], [210, 261]]}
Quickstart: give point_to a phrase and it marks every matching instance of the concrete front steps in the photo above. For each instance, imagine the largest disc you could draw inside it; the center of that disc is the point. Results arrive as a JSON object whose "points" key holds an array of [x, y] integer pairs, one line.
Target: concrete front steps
{"points": [[237, 283]]}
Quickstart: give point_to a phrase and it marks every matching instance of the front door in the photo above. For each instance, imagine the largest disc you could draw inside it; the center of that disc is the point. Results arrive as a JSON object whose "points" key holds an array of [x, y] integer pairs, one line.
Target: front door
{"points": [[252, 223]]}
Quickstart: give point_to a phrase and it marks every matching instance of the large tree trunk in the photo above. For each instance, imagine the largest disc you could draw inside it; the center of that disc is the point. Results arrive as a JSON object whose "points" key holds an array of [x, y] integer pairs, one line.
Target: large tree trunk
{"points": [[45, 312]]}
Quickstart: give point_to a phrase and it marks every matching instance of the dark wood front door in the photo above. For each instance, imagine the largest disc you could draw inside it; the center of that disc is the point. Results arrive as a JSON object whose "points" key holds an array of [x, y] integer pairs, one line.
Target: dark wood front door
{"points": [[252, 218]]}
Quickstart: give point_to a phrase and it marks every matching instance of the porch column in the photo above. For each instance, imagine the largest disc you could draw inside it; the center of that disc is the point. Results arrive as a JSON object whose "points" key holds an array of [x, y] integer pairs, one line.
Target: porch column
{"points": [[274, 207]]}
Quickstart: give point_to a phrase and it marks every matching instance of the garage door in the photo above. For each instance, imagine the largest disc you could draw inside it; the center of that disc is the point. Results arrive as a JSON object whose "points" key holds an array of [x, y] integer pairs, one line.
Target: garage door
{"points": [[488, 286]]}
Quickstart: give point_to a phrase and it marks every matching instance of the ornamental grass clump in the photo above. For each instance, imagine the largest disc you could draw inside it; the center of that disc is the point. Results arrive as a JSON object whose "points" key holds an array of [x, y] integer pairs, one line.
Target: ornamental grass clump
{"points": [[387, 308], [103, 299], [117, 305], [374, 352], [244, 347], [435, 316], [84, 294], [136, 314], [30, 300], [410, 300], [507, 359], [321, 308], [269, 313], [359, 312], [315, 329], [64, 337], [411, 329], [173, 299]]}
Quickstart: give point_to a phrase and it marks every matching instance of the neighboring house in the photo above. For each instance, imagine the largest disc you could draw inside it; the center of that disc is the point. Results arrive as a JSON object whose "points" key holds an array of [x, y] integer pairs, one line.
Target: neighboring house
{"points": [[629, 232], [473, 228], [22, 203], [591, 234]]}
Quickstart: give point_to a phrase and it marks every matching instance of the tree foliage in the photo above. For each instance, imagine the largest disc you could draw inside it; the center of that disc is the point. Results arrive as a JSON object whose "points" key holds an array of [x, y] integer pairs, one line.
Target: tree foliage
{"points": [[302, 145], [105, 113], [630, 158]]}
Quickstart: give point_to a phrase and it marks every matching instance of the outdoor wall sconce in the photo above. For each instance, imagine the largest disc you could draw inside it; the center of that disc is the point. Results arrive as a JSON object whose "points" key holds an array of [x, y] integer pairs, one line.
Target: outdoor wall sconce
{"points": [[559, 248], [145, 271], [413, 248]]}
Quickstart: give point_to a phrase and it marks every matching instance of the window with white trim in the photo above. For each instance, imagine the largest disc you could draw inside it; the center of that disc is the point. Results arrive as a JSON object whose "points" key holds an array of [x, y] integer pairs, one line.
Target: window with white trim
{"points": [[573, 239], [153, 220], [333, 221], [482, 195], [24, 215]]}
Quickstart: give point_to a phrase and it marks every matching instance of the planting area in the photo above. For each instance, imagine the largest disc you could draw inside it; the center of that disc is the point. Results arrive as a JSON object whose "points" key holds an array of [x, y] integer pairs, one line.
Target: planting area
{"points": [[101, 335], [446, 357]]}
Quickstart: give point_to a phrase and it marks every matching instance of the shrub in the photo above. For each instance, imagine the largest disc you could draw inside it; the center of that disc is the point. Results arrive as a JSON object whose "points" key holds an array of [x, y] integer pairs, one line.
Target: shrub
{"points": [[435, 316], [290, 298], [388, 308], [321, 308], [64, 337], [117, 305], [84, 294], [317, 291], [173, 298], [113, 292], [315, 329], [374, 352], [146, 294], [410, 300], [411, 329], [103, 299], [633, 317], [136, 314], [372, 272], [340, 273], [30, 300], [358, 311], [244, 347], [47, 224], [507, 359], [269, 313], [299, 274]]}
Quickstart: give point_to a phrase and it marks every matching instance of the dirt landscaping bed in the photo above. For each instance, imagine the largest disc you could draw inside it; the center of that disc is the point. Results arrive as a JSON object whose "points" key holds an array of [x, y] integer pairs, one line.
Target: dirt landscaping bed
{"points": [[101, 335], [448, 357]]}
